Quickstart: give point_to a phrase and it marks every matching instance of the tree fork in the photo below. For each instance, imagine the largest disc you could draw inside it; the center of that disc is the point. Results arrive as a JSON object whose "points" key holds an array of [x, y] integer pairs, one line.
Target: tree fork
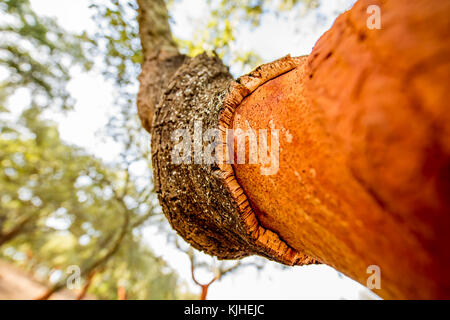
{"points": [[364, 162]]}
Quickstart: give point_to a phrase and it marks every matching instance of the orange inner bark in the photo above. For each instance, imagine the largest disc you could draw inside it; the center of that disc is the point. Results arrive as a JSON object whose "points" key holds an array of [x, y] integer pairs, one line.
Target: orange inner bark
{"points": [[314, 203]]}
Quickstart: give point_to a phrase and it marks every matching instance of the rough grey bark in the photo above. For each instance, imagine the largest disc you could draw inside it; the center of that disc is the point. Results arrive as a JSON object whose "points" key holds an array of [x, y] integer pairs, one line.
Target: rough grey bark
{"points": [[203, 202], [195, 89], [157, 70], [192, 195]]}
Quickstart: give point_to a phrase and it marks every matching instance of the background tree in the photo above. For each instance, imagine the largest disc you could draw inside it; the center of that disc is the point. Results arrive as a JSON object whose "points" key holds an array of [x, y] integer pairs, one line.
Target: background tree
{"points": [[37, 54], [61, 206]]}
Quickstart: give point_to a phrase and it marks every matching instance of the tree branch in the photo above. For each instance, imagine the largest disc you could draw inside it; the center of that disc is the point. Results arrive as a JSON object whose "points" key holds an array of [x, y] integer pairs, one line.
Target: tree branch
{"points": [[161, 57], [154, 28]]}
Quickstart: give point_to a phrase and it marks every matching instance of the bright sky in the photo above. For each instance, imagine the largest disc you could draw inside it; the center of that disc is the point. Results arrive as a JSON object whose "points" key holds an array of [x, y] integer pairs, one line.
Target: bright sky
{"points": [[273, 39]]}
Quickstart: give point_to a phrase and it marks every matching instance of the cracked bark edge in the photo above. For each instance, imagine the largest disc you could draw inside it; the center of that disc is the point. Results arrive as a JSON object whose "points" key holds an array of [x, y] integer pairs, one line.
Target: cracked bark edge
{"points": [[203, 202], [264, 238]]}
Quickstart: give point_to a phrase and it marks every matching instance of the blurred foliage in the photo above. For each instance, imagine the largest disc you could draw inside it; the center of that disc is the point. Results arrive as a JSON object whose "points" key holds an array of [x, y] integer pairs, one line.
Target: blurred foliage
{"points": [[60, 206], [225, 20], [142, 274]]}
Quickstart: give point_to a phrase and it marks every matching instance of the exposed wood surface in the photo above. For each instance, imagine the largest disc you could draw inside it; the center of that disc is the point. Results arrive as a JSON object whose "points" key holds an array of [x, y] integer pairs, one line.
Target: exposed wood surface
{"points": [[364, 162], [364, 159]]}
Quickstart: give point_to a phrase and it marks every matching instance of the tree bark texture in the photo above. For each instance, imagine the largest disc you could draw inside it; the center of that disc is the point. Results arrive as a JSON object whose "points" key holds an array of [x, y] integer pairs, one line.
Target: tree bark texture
{"points": [[364, 151]]}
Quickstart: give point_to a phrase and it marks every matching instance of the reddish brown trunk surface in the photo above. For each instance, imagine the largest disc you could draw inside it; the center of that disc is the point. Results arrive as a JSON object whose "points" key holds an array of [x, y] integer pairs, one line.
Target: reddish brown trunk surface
{"points": [[364, 150]]}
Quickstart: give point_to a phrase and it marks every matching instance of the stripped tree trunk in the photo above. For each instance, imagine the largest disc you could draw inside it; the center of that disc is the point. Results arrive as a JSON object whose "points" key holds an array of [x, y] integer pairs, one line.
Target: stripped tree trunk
{"points": [[363, 171]]}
